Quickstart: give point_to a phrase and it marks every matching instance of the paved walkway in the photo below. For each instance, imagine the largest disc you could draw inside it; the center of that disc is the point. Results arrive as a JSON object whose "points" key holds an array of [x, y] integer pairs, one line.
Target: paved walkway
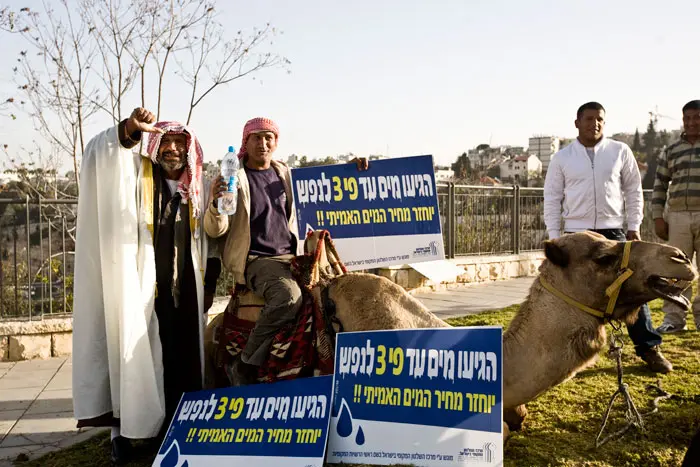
{"points": [[36, 409], [461, 300]]}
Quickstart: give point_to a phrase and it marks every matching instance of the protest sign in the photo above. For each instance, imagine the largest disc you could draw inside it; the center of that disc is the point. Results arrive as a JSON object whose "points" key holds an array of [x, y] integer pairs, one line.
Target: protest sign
{"points": [[283, 424], [384, 216], [428, 397]]}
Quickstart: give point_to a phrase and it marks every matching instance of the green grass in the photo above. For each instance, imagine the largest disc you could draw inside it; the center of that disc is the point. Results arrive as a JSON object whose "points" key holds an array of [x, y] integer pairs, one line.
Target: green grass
{"points": [[562, 425]]}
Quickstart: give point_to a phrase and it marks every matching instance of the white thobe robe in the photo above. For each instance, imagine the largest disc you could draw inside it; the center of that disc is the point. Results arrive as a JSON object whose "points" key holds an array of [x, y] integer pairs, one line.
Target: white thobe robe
{"points": [[117, 356]]}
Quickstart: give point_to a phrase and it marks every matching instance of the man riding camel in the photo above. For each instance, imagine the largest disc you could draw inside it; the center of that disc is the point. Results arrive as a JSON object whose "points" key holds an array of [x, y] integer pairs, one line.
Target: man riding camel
{"points": [[262, 240], [141, 264]]}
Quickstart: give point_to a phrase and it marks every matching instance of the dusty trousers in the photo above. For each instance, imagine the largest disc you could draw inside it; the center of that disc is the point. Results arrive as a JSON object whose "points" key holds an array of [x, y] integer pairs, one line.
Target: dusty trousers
{"points": [[271, 279]]}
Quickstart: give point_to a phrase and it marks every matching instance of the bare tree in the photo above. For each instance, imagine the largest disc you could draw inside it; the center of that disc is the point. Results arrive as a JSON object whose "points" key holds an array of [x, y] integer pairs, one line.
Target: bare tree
{"points": [[86, 59], [206, 72], [55, 77]]}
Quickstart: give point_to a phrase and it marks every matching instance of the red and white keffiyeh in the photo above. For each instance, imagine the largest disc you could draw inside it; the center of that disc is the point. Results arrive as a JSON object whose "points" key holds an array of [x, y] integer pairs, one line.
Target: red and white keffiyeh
{"points": [[190, 184], [255, 125]]}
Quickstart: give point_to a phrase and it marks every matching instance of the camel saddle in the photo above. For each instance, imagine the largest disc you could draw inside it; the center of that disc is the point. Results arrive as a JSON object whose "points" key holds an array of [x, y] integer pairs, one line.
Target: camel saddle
{"points": [[305, 348]]}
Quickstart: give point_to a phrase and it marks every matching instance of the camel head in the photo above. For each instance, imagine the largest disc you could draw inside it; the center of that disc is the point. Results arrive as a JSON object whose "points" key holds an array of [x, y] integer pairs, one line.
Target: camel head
{"points": [[583, 265]]}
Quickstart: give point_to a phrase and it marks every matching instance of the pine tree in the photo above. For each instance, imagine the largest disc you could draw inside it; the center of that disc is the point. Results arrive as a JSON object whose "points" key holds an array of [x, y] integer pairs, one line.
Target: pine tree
{"points": [[637, 144], [651, 140], [652, 145]]}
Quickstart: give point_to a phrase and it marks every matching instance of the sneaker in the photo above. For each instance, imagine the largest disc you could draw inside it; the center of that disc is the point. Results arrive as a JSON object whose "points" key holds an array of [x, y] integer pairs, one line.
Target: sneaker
{"points": [[668, 328], [656, 362]]}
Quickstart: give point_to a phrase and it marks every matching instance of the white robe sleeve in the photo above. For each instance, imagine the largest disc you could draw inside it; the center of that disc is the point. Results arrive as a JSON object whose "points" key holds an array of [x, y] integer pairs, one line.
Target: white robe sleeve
{"points": [[117, 358]]}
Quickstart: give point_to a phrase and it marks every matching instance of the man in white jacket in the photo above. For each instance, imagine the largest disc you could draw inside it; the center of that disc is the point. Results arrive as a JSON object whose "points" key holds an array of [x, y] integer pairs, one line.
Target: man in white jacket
{"points": [[594, 184]]}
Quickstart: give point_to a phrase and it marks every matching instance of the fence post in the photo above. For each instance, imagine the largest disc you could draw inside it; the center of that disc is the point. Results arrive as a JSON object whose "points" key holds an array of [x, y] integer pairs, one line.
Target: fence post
{"points": [[48, 223], [41, 257], [63, 243], [448, 223], [2, 279], [15, 234], [516, 220], [452, 219], [29, 261]]}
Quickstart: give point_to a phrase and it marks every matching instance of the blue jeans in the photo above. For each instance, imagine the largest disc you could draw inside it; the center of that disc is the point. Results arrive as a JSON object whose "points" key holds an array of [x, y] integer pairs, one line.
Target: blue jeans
{"points": [[642, 331]]}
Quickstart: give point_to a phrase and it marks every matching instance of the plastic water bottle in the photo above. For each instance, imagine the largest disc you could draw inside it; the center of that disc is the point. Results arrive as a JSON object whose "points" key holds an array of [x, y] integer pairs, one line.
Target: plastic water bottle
{"points": [[229, 171]]}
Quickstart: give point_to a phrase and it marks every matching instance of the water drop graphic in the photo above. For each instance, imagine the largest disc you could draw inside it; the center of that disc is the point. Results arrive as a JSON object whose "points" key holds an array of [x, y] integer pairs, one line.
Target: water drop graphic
{"points": [[360, 437], [344, 427], [171, 458], [185, 464]]}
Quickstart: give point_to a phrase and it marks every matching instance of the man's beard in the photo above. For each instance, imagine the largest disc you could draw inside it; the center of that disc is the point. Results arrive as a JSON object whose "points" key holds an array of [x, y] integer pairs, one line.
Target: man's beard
{"points": [[171, 166]]}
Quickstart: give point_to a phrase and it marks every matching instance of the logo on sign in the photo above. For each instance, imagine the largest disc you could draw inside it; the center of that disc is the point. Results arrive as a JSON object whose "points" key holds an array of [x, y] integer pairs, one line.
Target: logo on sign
{"points": [[430, 250], [483, 454]]}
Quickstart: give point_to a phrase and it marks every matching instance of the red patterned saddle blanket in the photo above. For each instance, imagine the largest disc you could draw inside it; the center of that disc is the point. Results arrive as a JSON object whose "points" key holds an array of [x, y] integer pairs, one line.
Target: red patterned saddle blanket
{"points": [[303, 349]]}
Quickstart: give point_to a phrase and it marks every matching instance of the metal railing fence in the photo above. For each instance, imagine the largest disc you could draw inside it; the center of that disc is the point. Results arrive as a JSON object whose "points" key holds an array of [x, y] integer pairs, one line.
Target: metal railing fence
{"points": [[37, 239], [485, 220]]}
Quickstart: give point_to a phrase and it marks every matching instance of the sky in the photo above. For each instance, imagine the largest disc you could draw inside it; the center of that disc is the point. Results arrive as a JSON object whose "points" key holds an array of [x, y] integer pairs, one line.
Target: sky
{"points": [[404, 78]]}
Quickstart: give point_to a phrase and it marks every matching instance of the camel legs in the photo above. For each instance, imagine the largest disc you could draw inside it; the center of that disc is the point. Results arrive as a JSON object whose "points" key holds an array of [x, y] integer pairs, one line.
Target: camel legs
{"points": [[513, 420], [514, 417]]}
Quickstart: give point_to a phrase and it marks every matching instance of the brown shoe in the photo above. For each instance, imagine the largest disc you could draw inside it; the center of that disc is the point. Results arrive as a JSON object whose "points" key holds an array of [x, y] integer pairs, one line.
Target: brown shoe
{"points": [[656, 362]]}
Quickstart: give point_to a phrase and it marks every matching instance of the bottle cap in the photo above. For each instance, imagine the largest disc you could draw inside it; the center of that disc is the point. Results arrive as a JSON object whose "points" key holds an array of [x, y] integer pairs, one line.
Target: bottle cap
{"points": [[230, 149]]}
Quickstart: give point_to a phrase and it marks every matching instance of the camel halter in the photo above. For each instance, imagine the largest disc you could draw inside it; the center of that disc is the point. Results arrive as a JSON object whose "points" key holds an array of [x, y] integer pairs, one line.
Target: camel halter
{"points": [[612, 292]]}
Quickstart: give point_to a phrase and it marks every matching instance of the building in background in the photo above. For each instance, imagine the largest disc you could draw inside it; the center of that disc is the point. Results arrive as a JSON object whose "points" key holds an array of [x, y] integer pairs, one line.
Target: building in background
{"points": [[484, 157], [345, 157], [444, 175], [520, 170], [293, 161], [544, 147]]}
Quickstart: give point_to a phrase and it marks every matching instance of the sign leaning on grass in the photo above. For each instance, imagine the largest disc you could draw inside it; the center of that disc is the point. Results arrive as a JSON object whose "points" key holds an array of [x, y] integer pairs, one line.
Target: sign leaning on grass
{"points": [[429, 397], [383, 216], [283, 424]]}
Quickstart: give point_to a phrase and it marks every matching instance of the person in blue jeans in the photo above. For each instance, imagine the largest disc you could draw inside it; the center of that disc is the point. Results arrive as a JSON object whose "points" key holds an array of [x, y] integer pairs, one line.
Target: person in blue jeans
{"points": [[594, 184]]}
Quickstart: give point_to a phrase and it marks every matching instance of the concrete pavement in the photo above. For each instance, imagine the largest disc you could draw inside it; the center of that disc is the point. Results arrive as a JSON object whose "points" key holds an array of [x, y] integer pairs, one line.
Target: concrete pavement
{"points": [[461, 300], [36, 408]]}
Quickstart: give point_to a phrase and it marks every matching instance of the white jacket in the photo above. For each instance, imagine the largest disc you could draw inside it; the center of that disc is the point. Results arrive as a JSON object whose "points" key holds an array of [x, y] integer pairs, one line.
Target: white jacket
{"points": [[593, 195]]}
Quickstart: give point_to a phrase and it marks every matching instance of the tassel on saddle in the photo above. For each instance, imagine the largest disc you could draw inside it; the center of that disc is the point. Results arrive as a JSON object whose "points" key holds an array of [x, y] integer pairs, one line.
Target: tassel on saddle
{"points": [[320, 263], [325, 265]]}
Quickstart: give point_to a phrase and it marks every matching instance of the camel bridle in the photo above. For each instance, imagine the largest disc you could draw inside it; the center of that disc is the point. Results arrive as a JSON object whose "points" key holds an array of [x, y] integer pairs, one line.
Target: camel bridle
{"points": [[612, 292], [634, 418]]}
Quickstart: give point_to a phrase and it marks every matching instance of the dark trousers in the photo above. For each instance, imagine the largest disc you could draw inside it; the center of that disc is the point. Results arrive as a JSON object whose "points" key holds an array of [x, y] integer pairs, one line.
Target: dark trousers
{"points": [[271, 279], [642, 331]]}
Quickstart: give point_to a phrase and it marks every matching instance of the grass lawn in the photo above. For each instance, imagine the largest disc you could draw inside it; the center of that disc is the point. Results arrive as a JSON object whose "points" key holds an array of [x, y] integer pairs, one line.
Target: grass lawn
{"points": [[562, 425]]}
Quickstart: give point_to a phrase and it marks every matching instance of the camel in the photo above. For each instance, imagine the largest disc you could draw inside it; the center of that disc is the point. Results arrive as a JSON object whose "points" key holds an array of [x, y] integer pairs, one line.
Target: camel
{"points": [[549, 340]]}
